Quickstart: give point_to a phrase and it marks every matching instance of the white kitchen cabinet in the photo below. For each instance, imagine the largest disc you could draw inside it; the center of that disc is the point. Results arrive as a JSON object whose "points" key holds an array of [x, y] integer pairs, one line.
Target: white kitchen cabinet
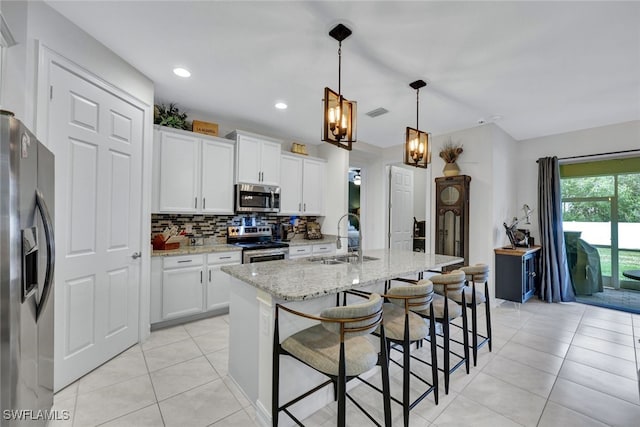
{"points": [[324, 249], [218, 283], [179, 174], [300, 251], [320, 249], [217, 177], [182, 286], [313, 187], [257, 159], [185, 285], [192, 174], [290, 185], [301, 185]]}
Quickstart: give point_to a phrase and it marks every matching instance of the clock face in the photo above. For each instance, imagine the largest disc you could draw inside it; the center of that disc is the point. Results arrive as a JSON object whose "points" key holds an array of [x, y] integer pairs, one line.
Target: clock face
{"points": [[450, 195]]}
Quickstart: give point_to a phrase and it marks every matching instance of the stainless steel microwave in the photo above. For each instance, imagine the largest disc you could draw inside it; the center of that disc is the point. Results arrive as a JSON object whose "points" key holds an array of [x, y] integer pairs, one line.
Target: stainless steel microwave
{"points": [[257, 198]]}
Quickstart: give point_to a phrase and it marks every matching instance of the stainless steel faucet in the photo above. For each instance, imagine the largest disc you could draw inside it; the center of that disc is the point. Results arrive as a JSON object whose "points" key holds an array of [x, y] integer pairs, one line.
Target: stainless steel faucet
{"points": [[339, 242]]}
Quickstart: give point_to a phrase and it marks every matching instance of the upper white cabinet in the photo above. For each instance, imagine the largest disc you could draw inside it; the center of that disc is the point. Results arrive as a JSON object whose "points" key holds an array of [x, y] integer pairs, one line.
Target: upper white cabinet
{"points": [[178, 157], [313, 187], [257, 159], [217, 177], [301, 185], [290, 185], [192, 174]]}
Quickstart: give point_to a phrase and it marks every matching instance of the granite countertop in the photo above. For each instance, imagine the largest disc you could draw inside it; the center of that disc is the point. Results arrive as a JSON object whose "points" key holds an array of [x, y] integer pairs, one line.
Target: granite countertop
{"points": [[302, 279], [200, 249]]}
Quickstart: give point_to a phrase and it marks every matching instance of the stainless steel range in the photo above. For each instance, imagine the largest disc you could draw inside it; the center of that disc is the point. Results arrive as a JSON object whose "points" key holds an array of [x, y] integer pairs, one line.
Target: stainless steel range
{"points": [[257, 243]]}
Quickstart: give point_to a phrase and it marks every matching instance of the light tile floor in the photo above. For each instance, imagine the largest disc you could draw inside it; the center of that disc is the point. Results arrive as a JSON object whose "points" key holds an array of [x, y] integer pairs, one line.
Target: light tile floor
{"points": [[551, 365], [620, 299]]}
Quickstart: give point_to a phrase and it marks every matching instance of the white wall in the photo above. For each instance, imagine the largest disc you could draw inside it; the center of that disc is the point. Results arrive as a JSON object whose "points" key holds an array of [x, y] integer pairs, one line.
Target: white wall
{"points": [[34, 21], [618, 137], [336, 188], [14, 84]]}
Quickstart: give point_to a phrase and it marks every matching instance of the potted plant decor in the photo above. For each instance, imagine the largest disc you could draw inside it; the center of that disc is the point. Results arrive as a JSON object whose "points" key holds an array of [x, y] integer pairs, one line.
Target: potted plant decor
{"points": [[170, 116], [449, 153]]}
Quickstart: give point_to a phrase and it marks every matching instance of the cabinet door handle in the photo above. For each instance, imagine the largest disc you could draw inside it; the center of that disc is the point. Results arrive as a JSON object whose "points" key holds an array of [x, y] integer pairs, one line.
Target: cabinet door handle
{"points": [[304, 207], [225, 257], [209, 274], [196, 203], [300, 250], [200, 276], [204, 203], [185, 260], [300, 207]]}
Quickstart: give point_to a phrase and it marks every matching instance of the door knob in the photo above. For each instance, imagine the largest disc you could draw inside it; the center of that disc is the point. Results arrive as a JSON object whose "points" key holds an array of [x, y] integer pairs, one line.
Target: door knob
{"points": [[136, 255]]}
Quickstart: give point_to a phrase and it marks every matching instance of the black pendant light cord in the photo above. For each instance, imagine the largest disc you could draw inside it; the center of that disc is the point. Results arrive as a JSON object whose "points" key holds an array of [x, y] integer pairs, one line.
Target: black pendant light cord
{"points": [[339, 68], [417, 107]]}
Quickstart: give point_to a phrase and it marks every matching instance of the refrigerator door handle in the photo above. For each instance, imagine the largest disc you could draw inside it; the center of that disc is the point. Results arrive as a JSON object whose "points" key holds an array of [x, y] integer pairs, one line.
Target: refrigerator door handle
{"points": [[51, 252]]}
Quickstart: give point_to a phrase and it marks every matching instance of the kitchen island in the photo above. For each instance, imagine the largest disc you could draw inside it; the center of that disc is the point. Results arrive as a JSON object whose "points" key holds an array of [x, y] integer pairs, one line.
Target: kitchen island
{"points": [[307, 285]]}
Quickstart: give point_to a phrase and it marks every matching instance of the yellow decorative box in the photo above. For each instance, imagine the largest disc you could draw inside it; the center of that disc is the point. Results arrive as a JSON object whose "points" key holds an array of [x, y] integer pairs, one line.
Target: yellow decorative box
{"points": [[205, 128]]}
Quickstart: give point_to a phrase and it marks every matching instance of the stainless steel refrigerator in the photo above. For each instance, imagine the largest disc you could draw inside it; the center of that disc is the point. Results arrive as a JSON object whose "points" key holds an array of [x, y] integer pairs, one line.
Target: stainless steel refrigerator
{"points": [[27, 254]]}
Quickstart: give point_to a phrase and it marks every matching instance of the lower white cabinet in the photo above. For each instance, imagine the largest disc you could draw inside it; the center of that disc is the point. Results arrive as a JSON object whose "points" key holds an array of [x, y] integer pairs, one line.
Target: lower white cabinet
{"points": [[218, 282], [181, 292], [324, 249], [299, 251], [321, 249], [185, 285]]}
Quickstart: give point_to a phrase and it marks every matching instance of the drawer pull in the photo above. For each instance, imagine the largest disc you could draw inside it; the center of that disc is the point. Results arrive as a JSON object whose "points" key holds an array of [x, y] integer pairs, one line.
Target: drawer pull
{"points": [[300, 250], [185, 260], [225, 257]]}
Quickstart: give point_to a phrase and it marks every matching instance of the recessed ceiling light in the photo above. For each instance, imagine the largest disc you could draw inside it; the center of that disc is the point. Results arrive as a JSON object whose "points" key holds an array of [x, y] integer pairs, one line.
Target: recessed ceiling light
{"points": [[181, 72], [281, 106]]}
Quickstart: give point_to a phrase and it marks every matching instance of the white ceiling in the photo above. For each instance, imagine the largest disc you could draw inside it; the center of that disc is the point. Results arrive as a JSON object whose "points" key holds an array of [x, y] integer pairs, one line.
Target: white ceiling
{"points": [[545, 67]]}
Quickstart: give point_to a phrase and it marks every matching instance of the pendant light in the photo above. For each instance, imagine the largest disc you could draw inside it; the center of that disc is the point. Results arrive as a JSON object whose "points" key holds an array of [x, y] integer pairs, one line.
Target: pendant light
{"points": [[339, 114], [417, 146]]}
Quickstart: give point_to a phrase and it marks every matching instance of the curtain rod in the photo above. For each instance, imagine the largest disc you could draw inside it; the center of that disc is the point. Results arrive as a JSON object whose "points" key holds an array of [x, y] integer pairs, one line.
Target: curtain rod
{"points": [[597, 155]]}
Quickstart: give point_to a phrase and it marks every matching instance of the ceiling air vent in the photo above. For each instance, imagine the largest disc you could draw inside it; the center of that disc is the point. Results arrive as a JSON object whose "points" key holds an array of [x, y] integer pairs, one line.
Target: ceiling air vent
{"points": [[377, 112]]}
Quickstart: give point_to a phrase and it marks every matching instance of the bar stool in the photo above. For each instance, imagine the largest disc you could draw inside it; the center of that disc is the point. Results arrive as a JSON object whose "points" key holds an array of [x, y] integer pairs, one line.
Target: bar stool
{"points": [[403, 328], [445, 311], [478, 273], [336, 347]]}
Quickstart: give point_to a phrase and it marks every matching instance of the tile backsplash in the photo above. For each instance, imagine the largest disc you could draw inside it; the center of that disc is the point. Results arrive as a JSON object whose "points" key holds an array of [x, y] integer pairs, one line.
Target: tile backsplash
{"points": [[215, 226]]}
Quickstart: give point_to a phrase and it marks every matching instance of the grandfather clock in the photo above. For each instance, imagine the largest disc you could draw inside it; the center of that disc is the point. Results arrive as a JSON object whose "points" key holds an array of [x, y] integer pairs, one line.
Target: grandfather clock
{"points": [[452, 217]]}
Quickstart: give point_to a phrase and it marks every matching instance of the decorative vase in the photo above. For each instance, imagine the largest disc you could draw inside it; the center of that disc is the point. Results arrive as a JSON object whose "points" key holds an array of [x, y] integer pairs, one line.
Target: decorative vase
{"points": [[451, 169]]}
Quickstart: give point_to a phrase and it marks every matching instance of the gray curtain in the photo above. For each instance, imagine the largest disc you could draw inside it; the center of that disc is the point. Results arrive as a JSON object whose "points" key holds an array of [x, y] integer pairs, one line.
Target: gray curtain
{"points": [[555, 283]]}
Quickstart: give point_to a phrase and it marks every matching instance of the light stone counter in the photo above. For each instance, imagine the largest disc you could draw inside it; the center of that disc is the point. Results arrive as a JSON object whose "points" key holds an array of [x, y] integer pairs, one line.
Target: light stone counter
{"points": [[194, 250], [302, 279]]}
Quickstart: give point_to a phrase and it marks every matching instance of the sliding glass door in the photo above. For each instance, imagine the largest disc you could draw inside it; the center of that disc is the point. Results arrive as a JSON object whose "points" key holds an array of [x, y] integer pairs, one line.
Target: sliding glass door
{"points": [[601, 220]]}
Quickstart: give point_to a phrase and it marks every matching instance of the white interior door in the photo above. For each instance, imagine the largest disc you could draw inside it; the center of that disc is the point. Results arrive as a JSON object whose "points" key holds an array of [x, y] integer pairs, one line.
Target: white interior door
{"points": [[401, 208], [97, 139]]}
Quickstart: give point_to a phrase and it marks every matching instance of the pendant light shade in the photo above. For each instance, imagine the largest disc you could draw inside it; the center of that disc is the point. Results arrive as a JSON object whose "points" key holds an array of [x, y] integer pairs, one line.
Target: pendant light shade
{"points": [[417, 146], [339, 114]]}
